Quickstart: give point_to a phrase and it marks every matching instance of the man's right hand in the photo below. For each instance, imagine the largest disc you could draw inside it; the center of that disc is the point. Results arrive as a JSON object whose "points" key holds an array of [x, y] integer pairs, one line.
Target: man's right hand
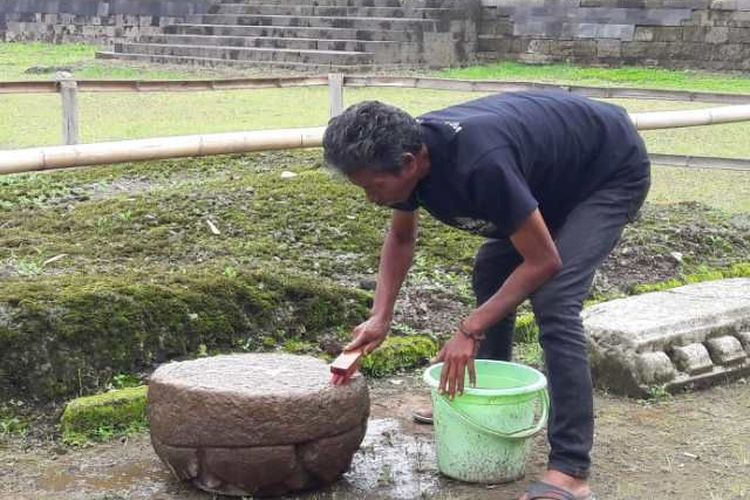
{"points": [[369, 335]]}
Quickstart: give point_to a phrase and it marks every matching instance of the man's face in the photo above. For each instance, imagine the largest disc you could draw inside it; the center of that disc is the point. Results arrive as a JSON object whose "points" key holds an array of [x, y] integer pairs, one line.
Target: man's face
{"points": [[385, 188]]}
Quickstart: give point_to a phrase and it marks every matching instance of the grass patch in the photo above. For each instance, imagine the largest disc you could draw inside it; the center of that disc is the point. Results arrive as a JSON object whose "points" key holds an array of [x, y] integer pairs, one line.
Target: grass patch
{"points": [[17, 58], [34, 120], [104, 416], [726, 190], [631, 76]]}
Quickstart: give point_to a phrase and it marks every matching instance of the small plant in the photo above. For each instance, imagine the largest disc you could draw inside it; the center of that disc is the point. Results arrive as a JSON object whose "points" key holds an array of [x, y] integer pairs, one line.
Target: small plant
{"points": [[403, 329], [526, 330], [123, 380], [529, 354], [269, 343], [386, 476], [658, 393], [202, 351], [28, 268], [10, 426], [125, 216], [230, 272]]}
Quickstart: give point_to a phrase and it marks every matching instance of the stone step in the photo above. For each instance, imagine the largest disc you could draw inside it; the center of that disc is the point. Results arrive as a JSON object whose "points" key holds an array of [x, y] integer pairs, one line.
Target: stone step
{"points": [[409, 4], [319, 57], [293, 32], [214, 62], [337, 11], [384, 51], [368, 23]]}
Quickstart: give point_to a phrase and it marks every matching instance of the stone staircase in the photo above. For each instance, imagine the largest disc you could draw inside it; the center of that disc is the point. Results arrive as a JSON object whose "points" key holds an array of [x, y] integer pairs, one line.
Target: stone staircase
{"points": [[330, 35]]}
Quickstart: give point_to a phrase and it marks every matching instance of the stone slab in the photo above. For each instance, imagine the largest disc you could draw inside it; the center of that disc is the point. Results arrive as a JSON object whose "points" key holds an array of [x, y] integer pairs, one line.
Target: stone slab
{"points": [[698, 329]]}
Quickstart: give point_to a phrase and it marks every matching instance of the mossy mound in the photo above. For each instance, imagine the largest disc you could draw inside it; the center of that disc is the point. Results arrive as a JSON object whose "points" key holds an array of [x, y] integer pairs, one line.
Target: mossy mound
{"points": [[104, 416], [399, 353], [63, 336]]}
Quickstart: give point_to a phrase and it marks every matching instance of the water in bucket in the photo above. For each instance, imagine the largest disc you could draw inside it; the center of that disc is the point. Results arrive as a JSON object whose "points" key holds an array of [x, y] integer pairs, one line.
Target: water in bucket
{"points": [[484, 435]]}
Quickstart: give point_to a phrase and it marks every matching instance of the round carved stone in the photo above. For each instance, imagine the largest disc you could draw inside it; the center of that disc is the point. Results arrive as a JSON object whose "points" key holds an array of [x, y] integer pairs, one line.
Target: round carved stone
{"points": [[255, 424]]}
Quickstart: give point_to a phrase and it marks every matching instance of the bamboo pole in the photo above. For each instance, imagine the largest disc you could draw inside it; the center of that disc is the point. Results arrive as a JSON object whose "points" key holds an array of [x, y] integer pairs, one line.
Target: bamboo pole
{"points": [[692, 118], [24, 160]]}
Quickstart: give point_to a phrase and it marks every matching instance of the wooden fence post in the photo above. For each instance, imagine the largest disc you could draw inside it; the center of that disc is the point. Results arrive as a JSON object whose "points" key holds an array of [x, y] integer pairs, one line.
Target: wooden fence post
{"points": [[335, 94], [69, 94]]}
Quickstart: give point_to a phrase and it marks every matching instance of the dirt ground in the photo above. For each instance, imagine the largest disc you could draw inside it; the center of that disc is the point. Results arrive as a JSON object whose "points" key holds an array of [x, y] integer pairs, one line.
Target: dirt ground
{"points": [[691, 446]]}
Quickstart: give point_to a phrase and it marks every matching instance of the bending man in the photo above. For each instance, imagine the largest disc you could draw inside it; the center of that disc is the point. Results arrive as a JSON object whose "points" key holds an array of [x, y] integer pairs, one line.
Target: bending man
{"points": [[550, 179]]}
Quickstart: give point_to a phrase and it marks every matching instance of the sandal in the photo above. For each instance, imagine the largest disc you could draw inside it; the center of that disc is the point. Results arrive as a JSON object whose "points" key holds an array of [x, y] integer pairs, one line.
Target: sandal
{"points": [[540, 490], [423, 416]]}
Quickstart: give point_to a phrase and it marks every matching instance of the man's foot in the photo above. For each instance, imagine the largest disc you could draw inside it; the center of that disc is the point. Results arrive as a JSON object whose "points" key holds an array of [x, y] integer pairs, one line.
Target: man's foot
{"points": [[558, 486], [423, 416]]}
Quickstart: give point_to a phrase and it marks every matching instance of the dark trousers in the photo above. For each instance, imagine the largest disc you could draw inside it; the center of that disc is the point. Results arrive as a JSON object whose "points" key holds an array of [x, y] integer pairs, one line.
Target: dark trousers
{"points": [[585, 238]]}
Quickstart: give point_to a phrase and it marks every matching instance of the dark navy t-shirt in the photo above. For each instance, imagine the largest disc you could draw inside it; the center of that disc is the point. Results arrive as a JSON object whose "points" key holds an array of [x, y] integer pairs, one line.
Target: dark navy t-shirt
{"points": [[494, 160]]}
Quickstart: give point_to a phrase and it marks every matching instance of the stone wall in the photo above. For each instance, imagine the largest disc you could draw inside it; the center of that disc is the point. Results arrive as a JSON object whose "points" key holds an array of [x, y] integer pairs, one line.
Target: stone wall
{"points": [[709, 34], [99, 21]]}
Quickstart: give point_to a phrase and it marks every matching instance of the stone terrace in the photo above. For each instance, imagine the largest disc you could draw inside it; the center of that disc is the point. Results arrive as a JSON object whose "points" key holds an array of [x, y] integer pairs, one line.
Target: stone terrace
{"points": [[333, 35]]}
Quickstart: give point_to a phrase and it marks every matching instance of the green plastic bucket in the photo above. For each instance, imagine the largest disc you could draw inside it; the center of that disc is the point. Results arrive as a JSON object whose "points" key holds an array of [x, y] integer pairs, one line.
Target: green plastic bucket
{"points": [[483, 435]]}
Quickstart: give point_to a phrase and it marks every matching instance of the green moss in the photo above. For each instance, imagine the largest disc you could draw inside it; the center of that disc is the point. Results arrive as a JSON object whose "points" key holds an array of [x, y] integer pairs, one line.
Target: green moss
{"points": [[295, 346], [104, 416], [69, 335], [153, 216], [399, 353], [740, 270]]}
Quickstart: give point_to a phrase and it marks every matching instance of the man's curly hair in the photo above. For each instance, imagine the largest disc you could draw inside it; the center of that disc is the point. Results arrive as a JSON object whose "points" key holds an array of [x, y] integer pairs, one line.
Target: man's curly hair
{"points": [[371, 135]]}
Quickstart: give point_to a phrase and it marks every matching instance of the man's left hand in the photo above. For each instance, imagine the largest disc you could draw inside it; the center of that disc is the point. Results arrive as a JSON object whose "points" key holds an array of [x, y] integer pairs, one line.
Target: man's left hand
{"points": [[457, 356]]}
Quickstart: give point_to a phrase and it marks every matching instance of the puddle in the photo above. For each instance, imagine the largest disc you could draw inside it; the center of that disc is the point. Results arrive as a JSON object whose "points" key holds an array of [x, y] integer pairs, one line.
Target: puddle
{"points": [[105, 476], [394, 463]]}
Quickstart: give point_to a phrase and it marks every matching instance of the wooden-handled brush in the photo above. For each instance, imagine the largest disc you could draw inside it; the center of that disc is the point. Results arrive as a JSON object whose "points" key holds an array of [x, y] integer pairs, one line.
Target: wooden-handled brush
{"points": [[345, 365]]}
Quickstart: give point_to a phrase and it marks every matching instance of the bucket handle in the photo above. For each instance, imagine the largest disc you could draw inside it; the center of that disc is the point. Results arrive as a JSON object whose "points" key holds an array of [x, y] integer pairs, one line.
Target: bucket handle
{"points": [[519, 434]]}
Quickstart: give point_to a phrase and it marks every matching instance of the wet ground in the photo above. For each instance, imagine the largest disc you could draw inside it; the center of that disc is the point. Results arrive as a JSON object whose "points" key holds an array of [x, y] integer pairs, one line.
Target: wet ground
{"points": [[693, 446]]}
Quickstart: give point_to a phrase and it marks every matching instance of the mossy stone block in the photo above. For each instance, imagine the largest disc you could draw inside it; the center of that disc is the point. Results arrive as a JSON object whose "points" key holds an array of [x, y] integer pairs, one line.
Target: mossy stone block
{"points": [[95, 418]]}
